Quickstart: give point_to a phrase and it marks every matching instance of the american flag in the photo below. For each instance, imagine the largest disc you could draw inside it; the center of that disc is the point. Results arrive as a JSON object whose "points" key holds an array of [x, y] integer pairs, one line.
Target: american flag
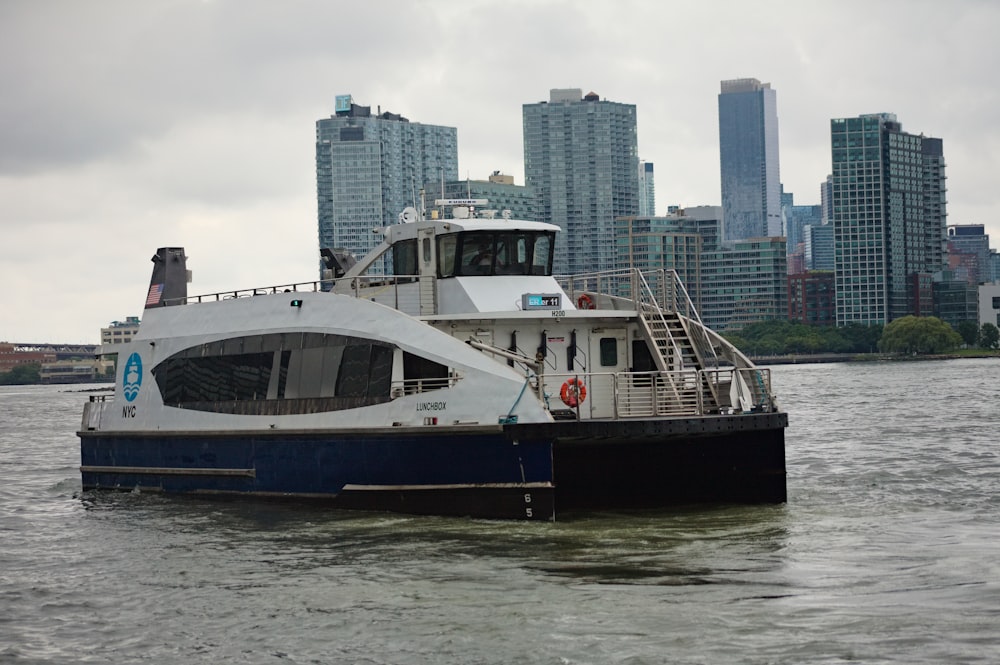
{"points": [[155, 291]]}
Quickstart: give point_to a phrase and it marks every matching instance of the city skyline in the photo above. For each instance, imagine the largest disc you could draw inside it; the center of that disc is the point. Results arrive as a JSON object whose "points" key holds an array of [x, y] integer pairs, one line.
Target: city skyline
{"points": [[117, 140]]}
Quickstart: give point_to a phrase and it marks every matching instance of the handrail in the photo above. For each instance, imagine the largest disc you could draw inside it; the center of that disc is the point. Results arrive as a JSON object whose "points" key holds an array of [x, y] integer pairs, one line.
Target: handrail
{"points": [[646, 298], [660, 394]]}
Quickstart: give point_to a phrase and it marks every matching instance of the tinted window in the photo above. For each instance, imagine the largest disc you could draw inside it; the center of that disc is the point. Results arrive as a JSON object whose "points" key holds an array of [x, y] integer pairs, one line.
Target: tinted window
{"points": [[609, 352]]}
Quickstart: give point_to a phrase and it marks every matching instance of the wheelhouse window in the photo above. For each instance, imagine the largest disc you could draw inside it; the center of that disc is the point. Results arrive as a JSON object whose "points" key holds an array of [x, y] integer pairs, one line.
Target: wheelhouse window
{"points": [[478, 253], [404, 258]]}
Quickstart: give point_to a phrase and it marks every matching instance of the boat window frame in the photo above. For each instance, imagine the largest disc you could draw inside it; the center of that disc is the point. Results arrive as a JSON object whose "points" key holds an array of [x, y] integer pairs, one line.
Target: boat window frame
{"points": [[265, 374], [512, 252]]}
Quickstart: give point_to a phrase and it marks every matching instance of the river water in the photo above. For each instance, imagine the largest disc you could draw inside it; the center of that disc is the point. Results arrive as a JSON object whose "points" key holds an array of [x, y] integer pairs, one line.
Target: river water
{"points": [[888, 551]]}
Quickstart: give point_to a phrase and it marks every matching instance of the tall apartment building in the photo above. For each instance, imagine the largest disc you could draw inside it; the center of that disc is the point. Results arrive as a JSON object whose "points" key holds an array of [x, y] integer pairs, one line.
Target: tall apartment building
{"points": [[888, 217], [748, 157], [370, 166], [581, 159], [647, 190]]}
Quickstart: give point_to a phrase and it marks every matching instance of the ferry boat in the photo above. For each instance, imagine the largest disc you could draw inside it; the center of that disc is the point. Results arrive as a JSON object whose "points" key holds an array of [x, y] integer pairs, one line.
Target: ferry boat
{"points": [[448, 372]]}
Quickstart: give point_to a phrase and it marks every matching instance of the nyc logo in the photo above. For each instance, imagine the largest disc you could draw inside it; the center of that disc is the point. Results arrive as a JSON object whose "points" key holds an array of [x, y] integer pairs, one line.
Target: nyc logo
{"points": [[133, 377]]}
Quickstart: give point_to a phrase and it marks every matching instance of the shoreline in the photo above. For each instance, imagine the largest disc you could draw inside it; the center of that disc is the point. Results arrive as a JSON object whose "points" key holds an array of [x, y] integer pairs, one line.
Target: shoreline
{"points": [[809, 358]]}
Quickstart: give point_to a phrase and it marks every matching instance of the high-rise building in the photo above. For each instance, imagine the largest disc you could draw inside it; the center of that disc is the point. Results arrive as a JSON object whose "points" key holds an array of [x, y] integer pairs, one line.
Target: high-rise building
{"points": [[888, 218], [369, 167], [647, 190], [748, 156], [581, 159]]}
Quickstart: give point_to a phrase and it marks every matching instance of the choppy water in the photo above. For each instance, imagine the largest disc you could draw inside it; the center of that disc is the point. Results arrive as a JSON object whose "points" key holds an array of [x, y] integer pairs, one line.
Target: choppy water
{"points": [[887, 551]]}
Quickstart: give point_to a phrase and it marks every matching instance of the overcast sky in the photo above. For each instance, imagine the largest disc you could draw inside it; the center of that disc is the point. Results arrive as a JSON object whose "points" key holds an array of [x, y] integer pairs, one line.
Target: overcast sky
{"points": [[126, 126]]}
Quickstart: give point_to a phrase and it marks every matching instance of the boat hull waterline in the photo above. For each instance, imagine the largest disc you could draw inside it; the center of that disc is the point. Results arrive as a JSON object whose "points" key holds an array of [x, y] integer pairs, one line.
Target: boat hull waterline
{"points": [[508, 471]]}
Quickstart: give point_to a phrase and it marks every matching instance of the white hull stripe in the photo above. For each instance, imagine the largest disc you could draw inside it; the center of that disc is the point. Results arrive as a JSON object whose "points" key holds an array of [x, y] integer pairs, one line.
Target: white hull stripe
{"points": [[168, 471], [459, 486]]}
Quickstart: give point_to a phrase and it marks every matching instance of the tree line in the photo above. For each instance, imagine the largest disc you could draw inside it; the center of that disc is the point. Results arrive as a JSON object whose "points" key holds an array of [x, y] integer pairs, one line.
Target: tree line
{"points": [[25, 374], [908, 335]]}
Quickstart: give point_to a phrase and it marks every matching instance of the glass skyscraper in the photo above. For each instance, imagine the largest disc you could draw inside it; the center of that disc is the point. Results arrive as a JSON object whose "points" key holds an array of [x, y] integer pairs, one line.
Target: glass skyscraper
{"points": [[369, 167], [647, 190], [888, 217], [748, 157], [581, 160]]}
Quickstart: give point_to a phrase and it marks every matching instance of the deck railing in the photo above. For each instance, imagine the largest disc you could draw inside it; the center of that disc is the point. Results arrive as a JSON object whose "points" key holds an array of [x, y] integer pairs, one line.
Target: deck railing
{"points": [[652, 394]]}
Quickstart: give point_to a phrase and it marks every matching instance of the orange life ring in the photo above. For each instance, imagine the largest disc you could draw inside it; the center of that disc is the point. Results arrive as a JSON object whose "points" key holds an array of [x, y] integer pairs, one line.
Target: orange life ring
{"points": [[573, 393], [584, 302]]}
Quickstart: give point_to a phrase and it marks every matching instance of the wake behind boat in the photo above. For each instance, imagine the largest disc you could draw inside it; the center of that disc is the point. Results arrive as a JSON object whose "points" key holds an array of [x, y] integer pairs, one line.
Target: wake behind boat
{"points": [[470, 381]]}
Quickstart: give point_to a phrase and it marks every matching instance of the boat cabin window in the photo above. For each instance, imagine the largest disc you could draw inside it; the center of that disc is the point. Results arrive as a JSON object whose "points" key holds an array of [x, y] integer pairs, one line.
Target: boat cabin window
{"points": [[285, 373], [404, 257], [495, 253], [609, 352]]}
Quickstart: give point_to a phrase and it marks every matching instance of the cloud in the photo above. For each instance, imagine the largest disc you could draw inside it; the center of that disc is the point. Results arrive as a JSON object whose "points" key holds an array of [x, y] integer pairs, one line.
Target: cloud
{"points": [[125, 126]]}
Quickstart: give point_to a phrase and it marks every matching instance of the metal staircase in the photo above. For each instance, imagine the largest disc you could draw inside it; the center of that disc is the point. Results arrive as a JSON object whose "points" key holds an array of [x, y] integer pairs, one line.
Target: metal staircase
{"points": [[669, 333]]}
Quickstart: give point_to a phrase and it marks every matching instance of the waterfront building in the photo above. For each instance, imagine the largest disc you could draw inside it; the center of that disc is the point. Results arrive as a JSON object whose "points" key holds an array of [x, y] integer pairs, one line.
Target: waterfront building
{"points": [[956, 300], [744, 283], [748, 156], [498, 189], [811, 298], [581, 160], [731, 286], [120, 332], [80, 370], [12, 355], [647, 190], [888, 219], [969, 248], [672, 242], [370, 166]]}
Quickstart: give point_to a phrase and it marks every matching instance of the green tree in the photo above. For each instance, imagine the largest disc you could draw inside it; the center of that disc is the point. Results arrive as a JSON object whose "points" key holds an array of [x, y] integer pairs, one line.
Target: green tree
{"points": [[969, 332], [989, 336], [862, 339], [780, 337], [21, 375], [918, 335]]}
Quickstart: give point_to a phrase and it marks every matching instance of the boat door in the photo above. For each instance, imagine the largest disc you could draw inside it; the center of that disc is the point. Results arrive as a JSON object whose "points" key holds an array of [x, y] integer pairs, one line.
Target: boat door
{"points": [[608, 355], [427, 269]]}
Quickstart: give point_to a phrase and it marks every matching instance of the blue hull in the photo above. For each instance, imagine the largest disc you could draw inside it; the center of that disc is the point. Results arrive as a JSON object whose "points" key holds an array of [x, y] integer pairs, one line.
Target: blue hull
{"points": [[486, 474], [525, 471]]}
